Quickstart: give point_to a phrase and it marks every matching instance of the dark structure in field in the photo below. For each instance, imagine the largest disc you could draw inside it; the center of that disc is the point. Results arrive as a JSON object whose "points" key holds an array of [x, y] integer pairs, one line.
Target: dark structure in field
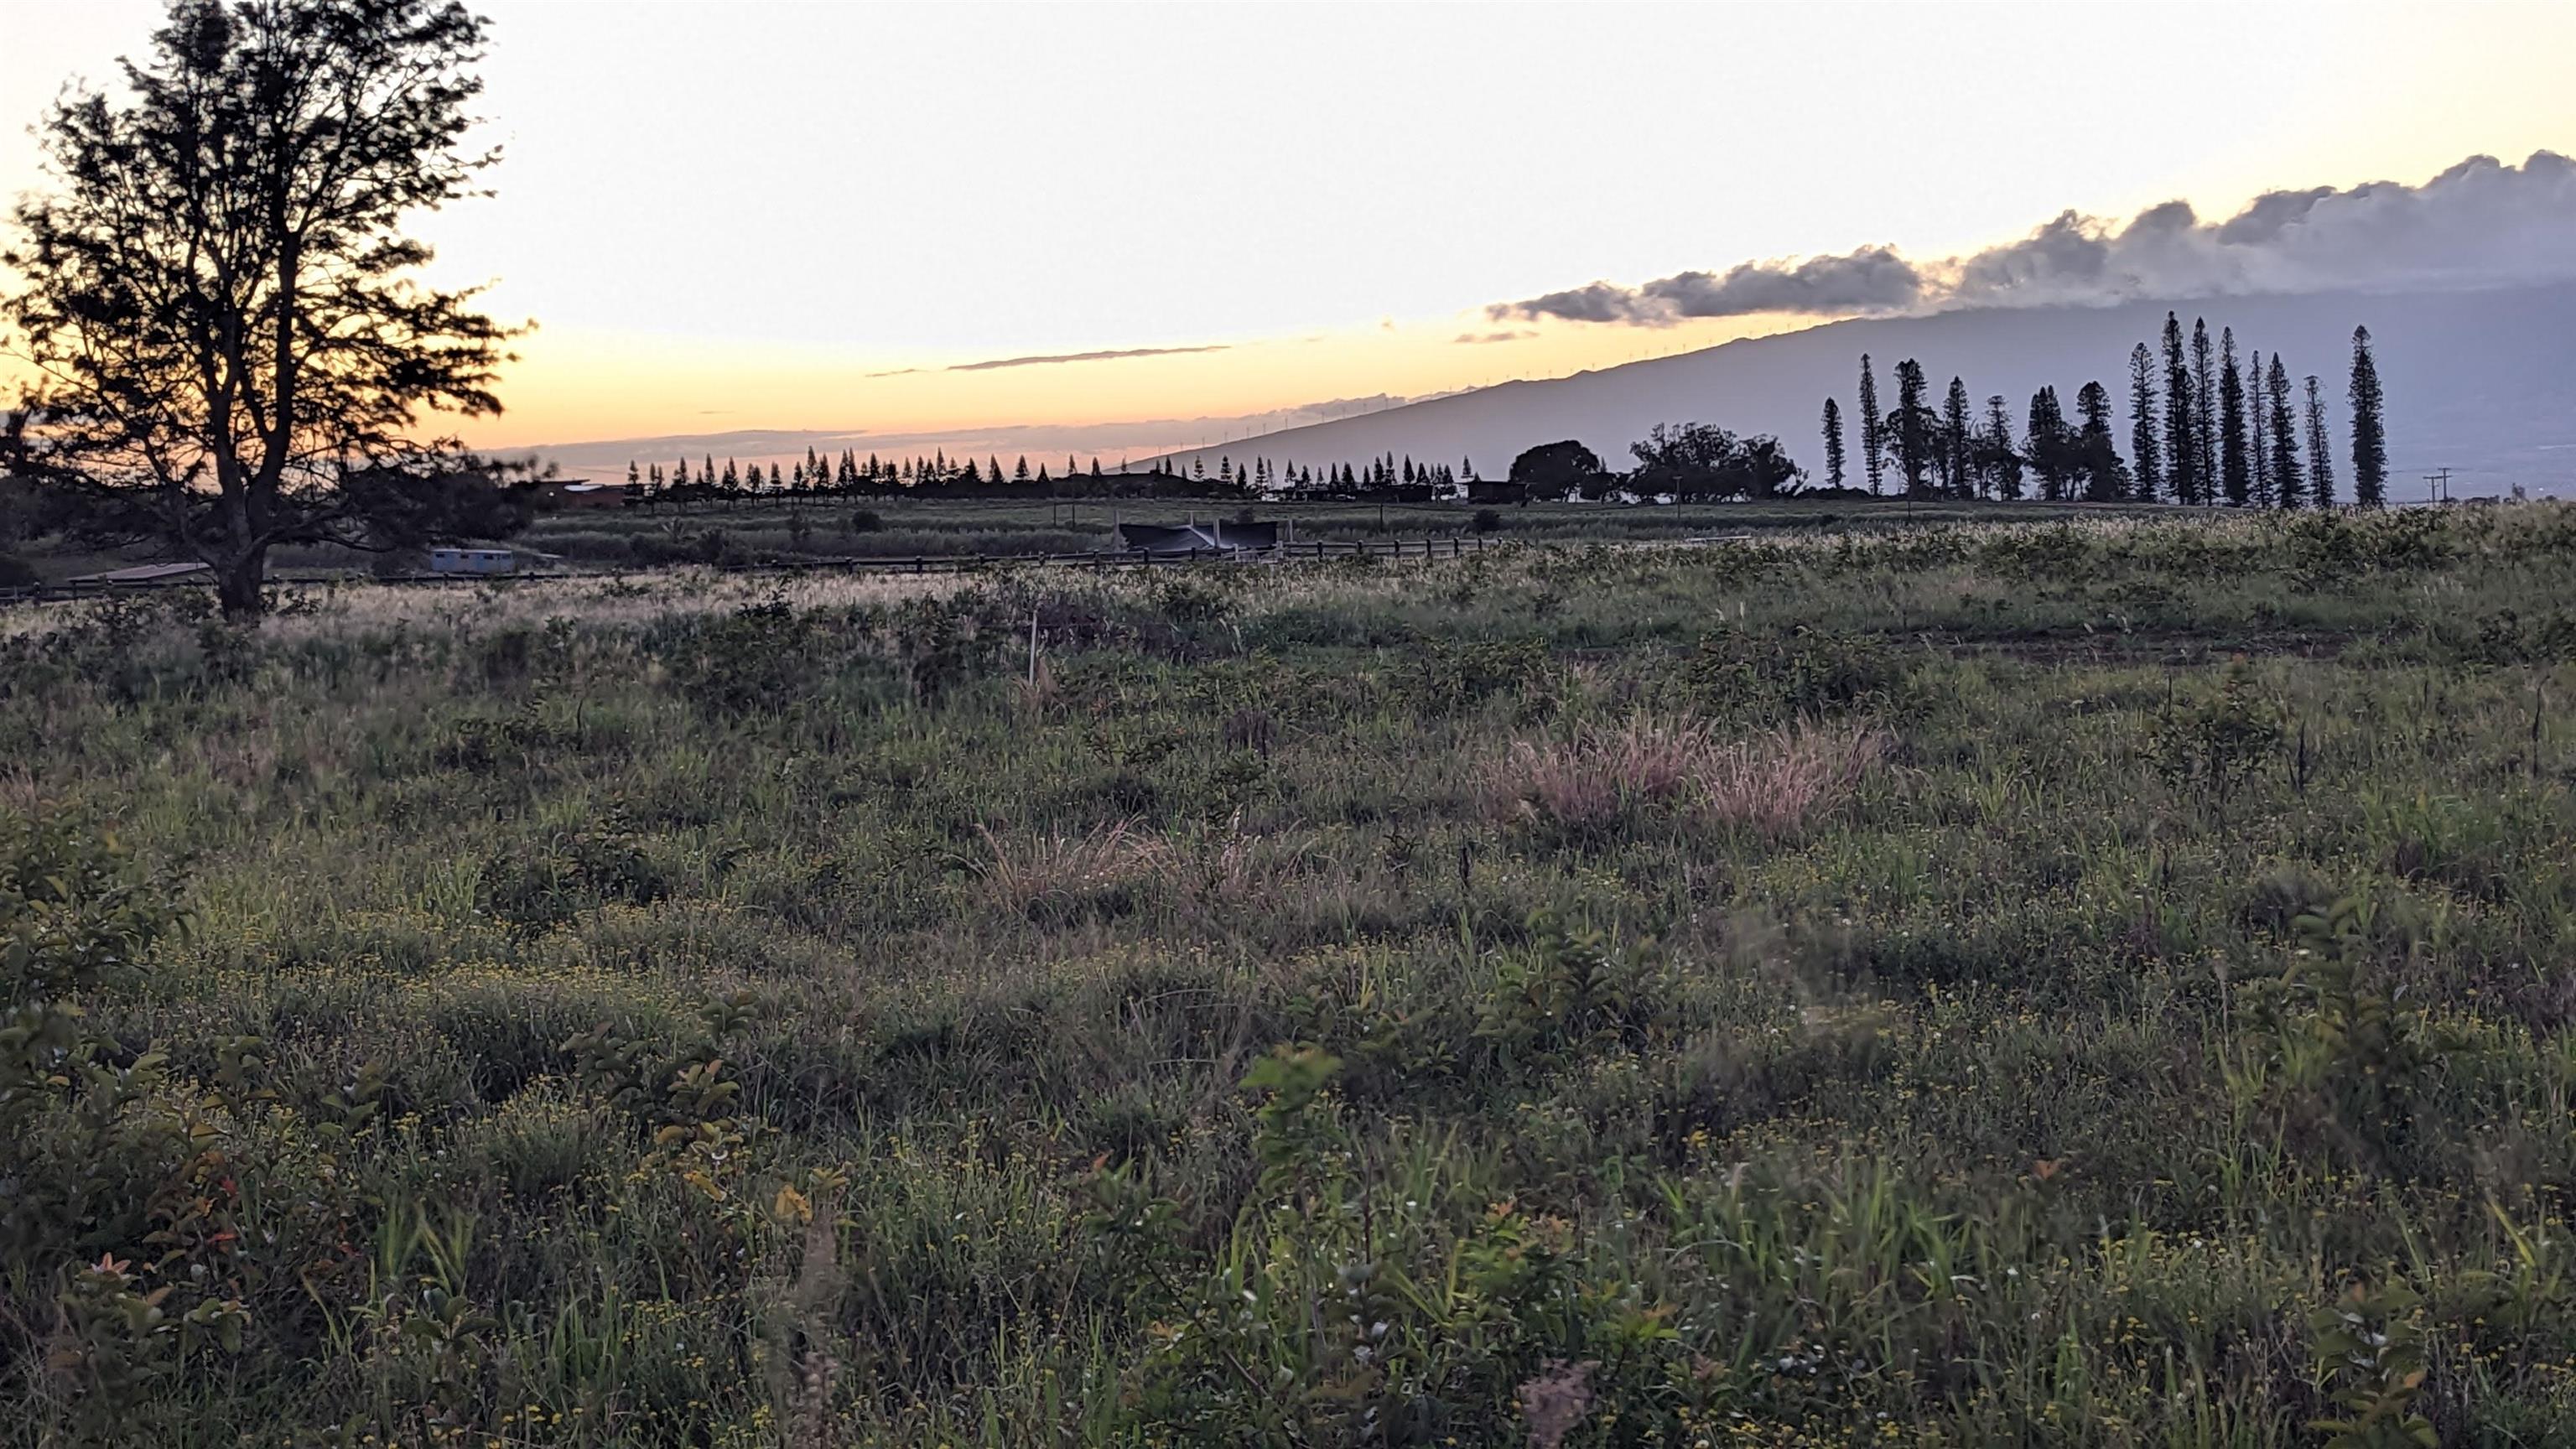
{"points": [[1194, 537], [554, 494]]}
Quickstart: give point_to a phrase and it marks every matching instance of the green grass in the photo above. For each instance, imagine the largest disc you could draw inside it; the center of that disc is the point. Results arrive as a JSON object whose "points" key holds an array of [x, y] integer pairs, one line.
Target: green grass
{"points": [[905, 528], [2101, 984]]}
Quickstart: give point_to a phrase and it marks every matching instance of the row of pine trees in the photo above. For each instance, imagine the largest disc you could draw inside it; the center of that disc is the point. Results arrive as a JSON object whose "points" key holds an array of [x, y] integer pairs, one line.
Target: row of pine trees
{"points": [[849, 474], [2203, 429]]}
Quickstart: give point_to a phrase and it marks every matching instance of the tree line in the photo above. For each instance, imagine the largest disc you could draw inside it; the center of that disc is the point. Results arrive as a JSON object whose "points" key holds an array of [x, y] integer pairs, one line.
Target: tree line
{"points": [[937, 475], [2203, 428]]}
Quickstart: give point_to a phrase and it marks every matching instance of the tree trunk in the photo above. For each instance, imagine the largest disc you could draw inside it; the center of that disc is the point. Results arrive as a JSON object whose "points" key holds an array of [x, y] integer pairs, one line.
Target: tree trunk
{"points": [[238, 585]]}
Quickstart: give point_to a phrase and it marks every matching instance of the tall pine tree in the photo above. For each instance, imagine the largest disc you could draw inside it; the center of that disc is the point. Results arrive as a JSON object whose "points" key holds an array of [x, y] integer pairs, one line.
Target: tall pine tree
{"points": [[2369, 428], [1873, 433], [2146, 463], [1913, 429], [2204, 412], [2045, 444], [1956, 437], [1998, 466], [2258, 451], [2289, 490], [1833, 443], [2320, 448], [2096, 456], [2235, 472], [2182, 445]]}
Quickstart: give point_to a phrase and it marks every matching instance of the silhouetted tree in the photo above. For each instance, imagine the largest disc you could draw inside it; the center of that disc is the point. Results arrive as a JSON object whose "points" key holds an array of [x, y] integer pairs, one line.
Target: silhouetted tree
{"points": [[2182, 456], [2235, 475], [2204, 413], [1873, 432], [225, 346], [2258, 451], [2145, 462], [2097, 457], [1698, 461], [2369, 428], [1998, 466], [1557, 470], [2289, 492], [2320, 448], [2049, 445], [1955, 439], [1833, 443], [1913, 430]]}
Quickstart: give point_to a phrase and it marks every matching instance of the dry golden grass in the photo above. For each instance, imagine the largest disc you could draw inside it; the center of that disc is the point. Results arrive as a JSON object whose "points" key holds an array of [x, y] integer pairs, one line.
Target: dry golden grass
{"points": [[1774, 782]]}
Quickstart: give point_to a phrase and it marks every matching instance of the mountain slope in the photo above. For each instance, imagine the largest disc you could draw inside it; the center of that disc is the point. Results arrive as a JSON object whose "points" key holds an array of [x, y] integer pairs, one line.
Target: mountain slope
{"points": [[2480, 382]]}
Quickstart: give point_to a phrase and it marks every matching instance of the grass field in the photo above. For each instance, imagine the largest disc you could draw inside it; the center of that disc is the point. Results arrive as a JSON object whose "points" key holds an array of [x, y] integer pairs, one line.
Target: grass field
{"points": [[2100, 983], [904, 528]]}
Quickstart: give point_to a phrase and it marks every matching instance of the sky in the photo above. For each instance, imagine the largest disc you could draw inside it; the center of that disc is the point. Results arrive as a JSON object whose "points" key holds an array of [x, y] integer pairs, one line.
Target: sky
{"points": [[1128, 228]]}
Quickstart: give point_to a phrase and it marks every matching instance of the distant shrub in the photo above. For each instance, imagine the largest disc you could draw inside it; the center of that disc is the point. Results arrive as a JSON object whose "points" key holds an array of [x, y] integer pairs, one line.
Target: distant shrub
{"points": [[547, 882], [1450, 678], [862, 520], [519, 651], [2511, 637], [761, 657], [2212, 744], [1189, 596], [1770, 677], [709, 546], [2330, 549], [1487, 520], [2057, 551], [15, 572]]}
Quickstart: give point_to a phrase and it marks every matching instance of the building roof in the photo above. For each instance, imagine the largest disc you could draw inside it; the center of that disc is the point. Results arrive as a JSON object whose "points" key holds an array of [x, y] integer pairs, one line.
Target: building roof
{"points": [[143, 573], [1186, 538]]}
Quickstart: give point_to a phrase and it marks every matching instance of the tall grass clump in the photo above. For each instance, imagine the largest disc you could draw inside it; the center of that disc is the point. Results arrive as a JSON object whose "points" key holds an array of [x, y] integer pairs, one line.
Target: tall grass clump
{"points": [[1649, 770]]}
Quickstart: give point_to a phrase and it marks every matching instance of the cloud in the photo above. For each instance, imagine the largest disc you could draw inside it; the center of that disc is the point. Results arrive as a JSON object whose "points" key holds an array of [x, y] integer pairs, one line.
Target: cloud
{"points": [[2480, 223], [1341, 407], [1872, 279], [1110, 356], [1513, 334], [1599, 302]]}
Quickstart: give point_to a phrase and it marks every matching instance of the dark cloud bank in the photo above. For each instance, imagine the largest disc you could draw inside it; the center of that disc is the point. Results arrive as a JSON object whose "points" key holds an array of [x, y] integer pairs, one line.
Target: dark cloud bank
{"points": [[2481, 223]]}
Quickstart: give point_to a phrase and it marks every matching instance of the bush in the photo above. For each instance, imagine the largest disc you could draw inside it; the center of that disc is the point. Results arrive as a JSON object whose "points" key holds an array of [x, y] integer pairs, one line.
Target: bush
{"points": [[1772, 677], [1487, 520], [15, 572]]}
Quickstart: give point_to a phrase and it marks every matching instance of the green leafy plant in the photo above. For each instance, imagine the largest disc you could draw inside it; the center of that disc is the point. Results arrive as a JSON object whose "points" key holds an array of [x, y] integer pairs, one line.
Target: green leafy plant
{"points": [[2368, 1349]]}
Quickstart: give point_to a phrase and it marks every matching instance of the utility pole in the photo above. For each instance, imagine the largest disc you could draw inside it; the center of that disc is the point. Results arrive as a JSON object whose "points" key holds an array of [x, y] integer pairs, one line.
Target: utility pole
{"points": [[2440, 479]]}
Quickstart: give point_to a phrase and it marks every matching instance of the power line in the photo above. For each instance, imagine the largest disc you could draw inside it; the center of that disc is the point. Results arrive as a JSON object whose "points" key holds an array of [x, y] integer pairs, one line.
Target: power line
{"points": [[2440, 479]]}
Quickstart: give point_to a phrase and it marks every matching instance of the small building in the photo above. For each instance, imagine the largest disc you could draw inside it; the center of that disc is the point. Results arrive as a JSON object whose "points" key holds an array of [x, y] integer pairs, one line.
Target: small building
{"points": [[473, 561]]}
